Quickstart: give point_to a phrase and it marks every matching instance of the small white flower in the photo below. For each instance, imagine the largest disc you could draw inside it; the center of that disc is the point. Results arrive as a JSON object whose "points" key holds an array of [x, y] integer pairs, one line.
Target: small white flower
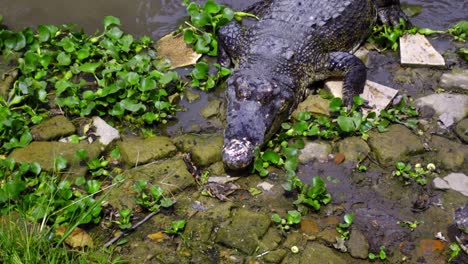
{"points": [[431, 166], [294, 249], [417, 166]]}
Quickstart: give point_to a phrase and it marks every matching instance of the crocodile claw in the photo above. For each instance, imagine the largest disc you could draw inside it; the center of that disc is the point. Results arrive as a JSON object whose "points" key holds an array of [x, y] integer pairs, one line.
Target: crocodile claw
{"points": [[391, 16]]}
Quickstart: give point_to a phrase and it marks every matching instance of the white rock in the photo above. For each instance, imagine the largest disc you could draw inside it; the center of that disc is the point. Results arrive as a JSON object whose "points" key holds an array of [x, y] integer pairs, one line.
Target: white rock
{"points": [[104, 131], [415, 50], [457, 78], [456, 105], [447, 120], [440, 184], [455, 181], [377, 95], [315, 150], [265, 186]]}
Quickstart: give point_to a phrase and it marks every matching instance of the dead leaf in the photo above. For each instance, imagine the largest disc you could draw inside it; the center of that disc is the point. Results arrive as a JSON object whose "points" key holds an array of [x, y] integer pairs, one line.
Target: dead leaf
{"points": [[159, 236], [77, 239], [173, 48]]}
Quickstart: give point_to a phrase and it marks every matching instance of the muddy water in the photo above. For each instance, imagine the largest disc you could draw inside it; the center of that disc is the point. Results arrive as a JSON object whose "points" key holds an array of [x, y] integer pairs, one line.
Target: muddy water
{"points": [[157, 17]]}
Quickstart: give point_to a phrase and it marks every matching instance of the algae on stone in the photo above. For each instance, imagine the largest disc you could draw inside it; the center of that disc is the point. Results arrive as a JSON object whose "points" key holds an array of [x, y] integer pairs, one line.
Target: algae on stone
{"points": [[353, 148], [245, 231], [171, 175], [53, 128], [45, 153], [398, 143], [141, 151]]}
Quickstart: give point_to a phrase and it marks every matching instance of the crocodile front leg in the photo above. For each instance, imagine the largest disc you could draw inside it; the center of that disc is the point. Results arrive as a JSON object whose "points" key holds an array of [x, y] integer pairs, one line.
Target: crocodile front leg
{"points": [[344, 64], [230, 43], [389, 12]]}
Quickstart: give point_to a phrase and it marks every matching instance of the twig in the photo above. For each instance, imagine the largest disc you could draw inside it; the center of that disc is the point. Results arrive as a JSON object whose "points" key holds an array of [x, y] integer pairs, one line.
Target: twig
{"points": [[131, 229]]}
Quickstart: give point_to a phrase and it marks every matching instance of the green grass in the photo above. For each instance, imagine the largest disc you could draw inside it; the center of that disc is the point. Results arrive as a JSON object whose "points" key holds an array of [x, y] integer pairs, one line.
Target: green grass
{"points": [[29, 243]]}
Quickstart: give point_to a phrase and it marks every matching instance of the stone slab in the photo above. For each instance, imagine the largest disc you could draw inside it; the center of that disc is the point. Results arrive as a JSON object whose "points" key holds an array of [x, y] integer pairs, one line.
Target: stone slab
{"points": [[416, 50]]}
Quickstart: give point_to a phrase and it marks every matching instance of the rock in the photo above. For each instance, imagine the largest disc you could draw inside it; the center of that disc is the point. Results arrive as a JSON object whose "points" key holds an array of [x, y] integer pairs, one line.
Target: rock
{"points": [[309, 226], [314, 104], [53, 128], [456, 79], [328, 235], [446, 120], [199, 229], [171, 175], [275, 256], [363, 54], [461, 129], [431, 251], [205, 149], [353, 148], [449, 154], [377, 95], [271, 240], [211, 110], [191, 95], [455, 181], [8, 72], [460, 217], [176, 51], [411, 10], [396, 144], [45, 153], [141, 151], [216, 168], [315, 151], [416, 50], [357, 245], [454, 104], [317, 253], [104, 131], [245, 231]]}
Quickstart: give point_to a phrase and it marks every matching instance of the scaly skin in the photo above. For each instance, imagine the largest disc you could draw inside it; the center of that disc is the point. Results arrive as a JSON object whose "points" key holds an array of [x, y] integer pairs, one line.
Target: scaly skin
{"points": [[293, 44]]}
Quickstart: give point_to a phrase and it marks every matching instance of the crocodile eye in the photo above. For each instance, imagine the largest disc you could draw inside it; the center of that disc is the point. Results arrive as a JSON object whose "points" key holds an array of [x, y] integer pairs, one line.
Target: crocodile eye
{"points": [[242, 88], [264, 92]]}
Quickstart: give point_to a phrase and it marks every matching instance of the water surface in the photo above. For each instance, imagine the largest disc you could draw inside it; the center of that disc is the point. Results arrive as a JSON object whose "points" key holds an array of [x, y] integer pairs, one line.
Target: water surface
{"points": [[155, 18]]}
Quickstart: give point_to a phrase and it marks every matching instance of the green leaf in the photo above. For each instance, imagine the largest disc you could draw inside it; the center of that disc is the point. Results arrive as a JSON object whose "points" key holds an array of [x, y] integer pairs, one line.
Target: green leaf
{"points": [[132, 105], [346, 124], [200, 71], [92, 186], [89, 67], [189, 36], [82, 54], [336, 104], [43, 32], [60, 163], [147, 84], [211, 7], [200, 20], [115, 33], [111, 21], [276, 218], [63, 59], [132, 78], [271, 156], [293, 217]]}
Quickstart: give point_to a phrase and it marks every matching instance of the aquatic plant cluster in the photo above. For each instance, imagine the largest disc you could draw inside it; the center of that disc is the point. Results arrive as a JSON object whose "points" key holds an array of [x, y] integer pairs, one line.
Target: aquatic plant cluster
{"points": [[121, 78]]}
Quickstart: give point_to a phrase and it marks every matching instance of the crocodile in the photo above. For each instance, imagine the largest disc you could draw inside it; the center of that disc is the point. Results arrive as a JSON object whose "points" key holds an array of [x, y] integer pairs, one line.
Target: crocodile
{"points": [[291, 45]]}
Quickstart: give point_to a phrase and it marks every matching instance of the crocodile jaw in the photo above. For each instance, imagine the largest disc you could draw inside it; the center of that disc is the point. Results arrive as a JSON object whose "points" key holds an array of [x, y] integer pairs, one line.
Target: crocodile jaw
{"points": [[238, 154]]}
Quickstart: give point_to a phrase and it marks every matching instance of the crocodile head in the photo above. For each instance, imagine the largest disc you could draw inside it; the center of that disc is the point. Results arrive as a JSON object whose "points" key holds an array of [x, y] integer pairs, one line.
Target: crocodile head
{"points": [[256, 107]]}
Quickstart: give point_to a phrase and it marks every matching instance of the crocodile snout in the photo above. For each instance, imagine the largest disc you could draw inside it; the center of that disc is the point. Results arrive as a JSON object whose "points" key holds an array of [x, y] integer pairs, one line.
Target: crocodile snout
{"points": [[238, 154]]}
